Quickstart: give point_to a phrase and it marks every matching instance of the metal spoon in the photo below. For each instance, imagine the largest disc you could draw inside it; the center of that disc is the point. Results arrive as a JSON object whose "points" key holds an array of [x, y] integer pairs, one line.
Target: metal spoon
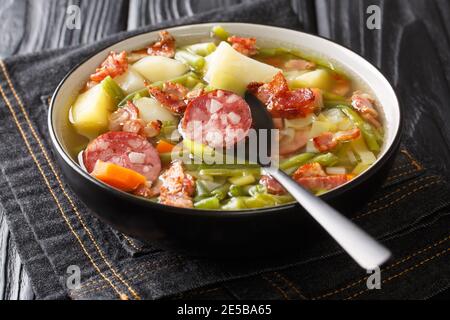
{"points": [[364, 249]]}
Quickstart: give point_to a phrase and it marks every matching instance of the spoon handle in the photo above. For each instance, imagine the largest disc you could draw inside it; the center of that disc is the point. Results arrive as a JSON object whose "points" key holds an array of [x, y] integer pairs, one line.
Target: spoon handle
{"points": [[364, 249]]}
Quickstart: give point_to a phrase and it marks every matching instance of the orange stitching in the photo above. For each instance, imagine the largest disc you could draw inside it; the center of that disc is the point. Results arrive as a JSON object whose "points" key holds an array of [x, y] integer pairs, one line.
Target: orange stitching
{"points": [[33, 131], [273, 284], [131, 242], [27, 143], [194, 293], [128, 271], [400, 189], [413, 160], [421, 263], [396, 200], [290, 284], [401, 175], [384, 269]]}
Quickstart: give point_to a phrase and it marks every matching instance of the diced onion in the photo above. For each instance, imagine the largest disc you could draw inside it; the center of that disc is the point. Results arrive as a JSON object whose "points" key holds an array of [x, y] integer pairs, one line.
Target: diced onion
{"points": [[215, 106], [334, 115], [335, 170], [310, 147], [234, 118], [136, 157]]}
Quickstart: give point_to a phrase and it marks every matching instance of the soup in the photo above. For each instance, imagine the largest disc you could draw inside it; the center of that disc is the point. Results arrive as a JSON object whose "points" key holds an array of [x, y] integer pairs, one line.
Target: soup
{"points": [[148, 121]]}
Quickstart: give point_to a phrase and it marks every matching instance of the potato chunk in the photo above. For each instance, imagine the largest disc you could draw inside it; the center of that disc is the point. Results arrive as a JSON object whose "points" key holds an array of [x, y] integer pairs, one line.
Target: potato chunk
{"points": [[230, 70], [313, 79], [90, 112], [150, 109], [130, 81], [159, 68]]}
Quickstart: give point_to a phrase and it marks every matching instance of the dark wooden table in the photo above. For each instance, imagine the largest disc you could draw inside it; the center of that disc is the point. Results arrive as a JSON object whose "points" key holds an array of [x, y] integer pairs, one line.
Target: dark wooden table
{"points": [[34, 25]]}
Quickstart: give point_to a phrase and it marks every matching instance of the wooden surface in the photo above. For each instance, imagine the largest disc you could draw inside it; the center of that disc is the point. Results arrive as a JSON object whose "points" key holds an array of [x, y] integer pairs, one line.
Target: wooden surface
{"points": [[34, 25]]}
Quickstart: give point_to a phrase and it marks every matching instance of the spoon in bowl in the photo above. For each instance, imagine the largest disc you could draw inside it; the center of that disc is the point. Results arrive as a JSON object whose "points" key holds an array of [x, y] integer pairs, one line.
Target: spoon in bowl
{"points": [[363, 248]]}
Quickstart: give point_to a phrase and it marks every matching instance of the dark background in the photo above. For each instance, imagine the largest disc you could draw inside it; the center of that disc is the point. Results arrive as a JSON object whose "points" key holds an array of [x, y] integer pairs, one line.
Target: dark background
{"points": [[35, 25]]}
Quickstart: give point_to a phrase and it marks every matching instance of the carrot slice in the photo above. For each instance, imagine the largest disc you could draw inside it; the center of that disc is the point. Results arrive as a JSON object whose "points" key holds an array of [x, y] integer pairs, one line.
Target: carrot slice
{"points": [[164, 146], [116, 176]]}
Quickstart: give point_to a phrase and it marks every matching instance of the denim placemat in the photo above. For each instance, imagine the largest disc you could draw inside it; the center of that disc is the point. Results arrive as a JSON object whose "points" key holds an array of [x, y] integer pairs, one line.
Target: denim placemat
{"points": [[54, 230]]}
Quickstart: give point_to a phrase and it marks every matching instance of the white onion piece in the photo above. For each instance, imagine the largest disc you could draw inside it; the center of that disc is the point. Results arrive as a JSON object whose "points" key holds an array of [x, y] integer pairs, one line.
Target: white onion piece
{"points": [[351, 156], [299, 123], [335, 170]]}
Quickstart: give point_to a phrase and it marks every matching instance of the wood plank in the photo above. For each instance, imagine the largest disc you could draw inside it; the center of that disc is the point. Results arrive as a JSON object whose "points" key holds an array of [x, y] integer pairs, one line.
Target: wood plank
{"points": [[31, 26], [147, 12]]}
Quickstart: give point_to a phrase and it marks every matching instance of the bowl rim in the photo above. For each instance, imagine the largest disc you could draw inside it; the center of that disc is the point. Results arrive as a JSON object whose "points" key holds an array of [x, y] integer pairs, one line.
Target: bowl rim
{"points": [[223, 213]]}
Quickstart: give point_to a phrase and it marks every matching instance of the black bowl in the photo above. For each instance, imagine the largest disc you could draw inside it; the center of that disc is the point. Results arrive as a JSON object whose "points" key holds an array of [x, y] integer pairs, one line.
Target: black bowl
{"points": [[220, 233]]}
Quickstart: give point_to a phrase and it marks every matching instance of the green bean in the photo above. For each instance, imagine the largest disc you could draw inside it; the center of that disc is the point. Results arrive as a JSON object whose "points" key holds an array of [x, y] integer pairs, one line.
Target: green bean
{"points": [[230, 172], [236, 191], [220, 32], [242, 181], [132, 96], [194, 60], [201, 189], [181, 80], [221, 192], [235, 203], [272, 199], [330, 99], [326, 160], [208, 203], [253, 202], [191, 82], [113, 89], [296, 160], [367, 130], [333, 103], [253, 190], [202, 49]]}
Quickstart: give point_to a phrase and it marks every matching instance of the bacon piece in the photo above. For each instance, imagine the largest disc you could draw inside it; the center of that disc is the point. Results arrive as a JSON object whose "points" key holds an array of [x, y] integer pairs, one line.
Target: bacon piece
{"points": [[309, 170], [246, 46], [152, 128], [191, 95], [325, 141], [364, 104], [298, 64], [282, 102], [329, 140], [341, 85], [134, 126], [177, 187], [272, 185], [119, 117], [164, 47], [114, 65], [323, 183], [147, 190], [171, 96], [312, 177]]}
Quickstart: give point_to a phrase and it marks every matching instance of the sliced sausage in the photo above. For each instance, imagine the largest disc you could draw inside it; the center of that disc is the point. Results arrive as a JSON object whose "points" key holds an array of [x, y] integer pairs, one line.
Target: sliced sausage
{"points": [[218, 119], [125, 149]]}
